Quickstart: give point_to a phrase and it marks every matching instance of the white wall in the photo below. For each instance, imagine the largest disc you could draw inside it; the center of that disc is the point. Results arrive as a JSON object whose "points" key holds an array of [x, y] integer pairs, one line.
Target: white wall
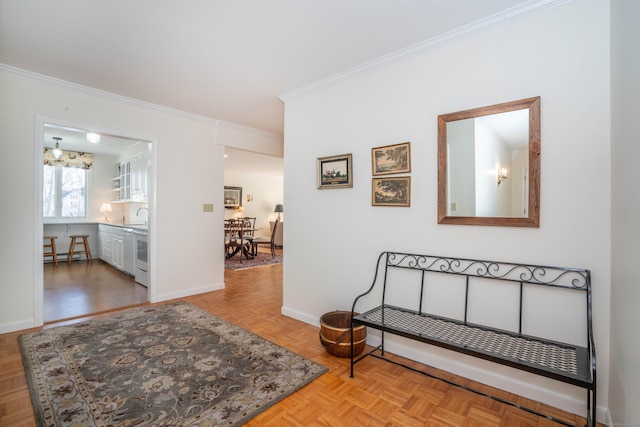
{"points": [[249, 139], [519, 162], [266, 191], [489, 154], [561, 55], [461, 164], [101, 186], [189, 173], [624, 385]]}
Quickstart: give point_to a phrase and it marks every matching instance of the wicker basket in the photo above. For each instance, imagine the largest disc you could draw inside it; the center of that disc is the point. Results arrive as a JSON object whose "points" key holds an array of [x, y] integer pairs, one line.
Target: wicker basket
{"points": [[335, 334]]}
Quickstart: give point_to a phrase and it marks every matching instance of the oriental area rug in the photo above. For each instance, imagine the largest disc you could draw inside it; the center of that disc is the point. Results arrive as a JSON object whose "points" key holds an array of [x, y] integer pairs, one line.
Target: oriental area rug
{"points": [[259, 260], [166, 365]]}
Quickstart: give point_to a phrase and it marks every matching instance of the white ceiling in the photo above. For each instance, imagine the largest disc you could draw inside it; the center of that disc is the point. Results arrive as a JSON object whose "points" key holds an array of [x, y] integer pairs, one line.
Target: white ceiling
{"points": [[223, 59]]}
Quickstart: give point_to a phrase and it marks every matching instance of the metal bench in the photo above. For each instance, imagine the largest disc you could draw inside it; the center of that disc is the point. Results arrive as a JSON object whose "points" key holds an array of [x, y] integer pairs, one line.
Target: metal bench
{"points": [[563, 361]]}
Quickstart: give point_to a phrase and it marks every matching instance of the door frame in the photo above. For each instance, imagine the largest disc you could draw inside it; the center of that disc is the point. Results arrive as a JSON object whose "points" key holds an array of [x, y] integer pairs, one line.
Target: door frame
{"points": [[38, 259]]}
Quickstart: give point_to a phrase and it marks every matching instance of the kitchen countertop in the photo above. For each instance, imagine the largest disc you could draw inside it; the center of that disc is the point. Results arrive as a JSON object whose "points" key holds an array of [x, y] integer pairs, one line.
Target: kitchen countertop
{"points": [[139, 228], [71, 223]]}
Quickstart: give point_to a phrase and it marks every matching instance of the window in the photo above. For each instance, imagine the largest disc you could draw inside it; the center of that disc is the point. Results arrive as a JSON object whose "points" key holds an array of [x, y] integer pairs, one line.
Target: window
{"points": [[64, 192]]}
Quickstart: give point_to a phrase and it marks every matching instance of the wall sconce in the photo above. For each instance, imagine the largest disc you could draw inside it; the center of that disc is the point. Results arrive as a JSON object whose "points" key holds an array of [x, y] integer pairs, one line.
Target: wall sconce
{"points": [[502, 175], [279, 209], [106, 208], [249, 197]]}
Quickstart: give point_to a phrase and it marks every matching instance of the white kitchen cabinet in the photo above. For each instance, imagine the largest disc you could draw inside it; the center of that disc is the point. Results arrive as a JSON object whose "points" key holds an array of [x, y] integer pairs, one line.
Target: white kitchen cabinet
{"points": [[132, 182], [105, 243], [118, 252], [117, 247], [125, 181], [122, 182], [139, 177]]}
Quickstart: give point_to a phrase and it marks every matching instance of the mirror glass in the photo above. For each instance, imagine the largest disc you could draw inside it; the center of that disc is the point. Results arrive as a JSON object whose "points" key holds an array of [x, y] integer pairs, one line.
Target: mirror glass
{"points": [[489, 165]]}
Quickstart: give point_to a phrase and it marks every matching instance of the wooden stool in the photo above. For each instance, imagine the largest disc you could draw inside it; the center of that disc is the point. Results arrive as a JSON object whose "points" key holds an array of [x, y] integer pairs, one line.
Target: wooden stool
{"points": [[75, 241], [50, 248]]}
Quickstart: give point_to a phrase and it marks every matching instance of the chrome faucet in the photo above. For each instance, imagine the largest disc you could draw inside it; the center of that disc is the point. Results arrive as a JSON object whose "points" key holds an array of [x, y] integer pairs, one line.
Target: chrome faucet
{"points": [[138, 213]]}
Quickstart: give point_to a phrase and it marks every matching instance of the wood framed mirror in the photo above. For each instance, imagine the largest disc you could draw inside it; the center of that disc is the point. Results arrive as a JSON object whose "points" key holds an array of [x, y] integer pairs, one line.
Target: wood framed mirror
{"points": [[489, 165]]}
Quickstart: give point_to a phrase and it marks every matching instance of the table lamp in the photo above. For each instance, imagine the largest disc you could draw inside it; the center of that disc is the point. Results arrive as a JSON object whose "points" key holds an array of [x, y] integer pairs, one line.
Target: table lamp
{"points": [[106, 208], [279, 209]]}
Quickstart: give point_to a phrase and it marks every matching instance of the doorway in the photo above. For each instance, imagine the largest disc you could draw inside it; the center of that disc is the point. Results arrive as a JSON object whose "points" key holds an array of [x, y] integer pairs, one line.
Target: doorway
{"points": [[82, 287]]}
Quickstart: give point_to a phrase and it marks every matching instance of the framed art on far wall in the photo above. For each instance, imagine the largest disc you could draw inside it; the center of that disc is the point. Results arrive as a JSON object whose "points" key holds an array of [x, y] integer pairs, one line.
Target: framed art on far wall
{"points": [[391, 159], [335, 171], [232, 197], [394, 191]]}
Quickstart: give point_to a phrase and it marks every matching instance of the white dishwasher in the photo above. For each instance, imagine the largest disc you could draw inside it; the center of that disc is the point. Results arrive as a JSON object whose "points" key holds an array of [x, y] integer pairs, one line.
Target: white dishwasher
{"points": [[129, 252], [142, 258]]}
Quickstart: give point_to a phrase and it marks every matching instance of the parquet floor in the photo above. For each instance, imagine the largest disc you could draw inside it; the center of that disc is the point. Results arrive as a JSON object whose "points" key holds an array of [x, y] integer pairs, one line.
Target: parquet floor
{"points": [[381, 394]]}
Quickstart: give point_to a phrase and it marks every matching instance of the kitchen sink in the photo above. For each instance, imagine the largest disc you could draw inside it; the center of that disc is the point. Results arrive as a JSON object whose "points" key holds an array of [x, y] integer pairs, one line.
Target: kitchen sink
{"points": [[138, 226]]}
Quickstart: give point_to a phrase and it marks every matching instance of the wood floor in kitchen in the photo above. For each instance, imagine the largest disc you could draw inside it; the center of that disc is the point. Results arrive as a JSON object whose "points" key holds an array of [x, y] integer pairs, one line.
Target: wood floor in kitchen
{"points": [[84, 287]]}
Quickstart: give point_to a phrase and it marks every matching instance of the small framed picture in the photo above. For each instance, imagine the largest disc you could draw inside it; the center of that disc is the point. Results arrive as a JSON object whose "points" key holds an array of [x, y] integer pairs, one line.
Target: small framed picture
{"points": [[391, 159], [394, 191], [335, 171], [232, 197]]}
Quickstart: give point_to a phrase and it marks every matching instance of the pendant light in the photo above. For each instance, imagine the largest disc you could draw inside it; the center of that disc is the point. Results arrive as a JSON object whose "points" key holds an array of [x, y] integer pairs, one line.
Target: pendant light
{"points": [[57, 152]]}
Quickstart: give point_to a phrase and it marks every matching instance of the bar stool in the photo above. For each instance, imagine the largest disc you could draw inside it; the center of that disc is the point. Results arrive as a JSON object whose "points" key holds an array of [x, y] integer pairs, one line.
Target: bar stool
{"points": [[50, 248], [75, 240]]}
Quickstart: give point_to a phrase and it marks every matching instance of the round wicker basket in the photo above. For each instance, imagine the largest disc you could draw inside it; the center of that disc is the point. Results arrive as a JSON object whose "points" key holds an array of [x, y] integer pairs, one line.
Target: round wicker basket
{"points": [[335, 334]]}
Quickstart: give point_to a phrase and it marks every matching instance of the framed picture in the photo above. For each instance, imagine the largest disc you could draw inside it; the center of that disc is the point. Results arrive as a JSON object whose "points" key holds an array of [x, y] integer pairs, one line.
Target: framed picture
{"points": [[394, 191], [391, 159], [335, 171], [232, 197]]}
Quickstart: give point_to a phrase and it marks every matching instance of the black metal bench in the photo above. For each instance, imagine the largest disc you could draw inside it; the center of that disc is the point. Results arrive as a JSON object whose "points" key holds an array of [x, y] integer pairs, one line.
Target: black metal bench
{"points": [[402, 275]]}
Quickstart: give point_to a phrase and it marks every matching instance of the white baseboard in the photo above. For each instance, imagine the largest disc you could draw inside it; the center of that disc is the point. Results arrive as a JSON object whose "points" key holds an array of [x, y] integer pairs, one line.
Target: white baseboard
{"points": [[30, 323], [557, 394], [554, 393], [301, 316], [608, 419], [17, 326], [189, 292]]}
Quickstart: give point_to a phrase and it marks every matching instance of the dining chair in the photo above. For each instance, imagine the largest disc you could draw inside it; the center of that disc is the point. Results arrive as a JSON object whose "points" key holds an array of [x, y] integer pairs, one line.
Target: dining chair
{"points": [[236, 240], [249, 225], [265, 241]]}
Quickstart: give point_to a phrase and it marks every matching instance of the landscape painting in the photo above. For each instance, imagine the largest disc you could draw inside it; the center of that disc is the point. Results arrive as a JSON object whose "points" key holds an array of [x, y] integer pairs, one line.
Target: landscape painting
{"points": [[391, 159], [391, 191]]}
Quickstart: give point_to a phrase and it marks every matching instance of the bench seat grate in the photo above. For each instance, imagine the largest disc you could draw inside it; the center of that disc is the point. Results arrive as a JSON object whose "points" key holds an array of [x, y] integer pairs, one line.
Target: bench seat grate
{"points": [[543, 354]]}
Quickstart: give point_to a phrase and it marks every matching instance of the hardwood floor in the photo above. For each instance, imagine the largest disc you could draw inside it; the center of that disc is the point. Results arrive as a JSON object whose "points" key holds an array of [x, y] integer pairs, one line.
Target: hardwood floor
{"points": [[381, 394], [84, 287]]}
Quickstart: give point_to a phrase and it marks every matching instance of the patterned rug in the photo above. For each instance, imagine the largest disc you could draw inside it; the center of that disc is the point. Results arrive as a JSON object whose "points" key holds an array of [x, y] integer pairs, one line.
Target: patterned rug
{"points": [[260, 260], [166, 365]]}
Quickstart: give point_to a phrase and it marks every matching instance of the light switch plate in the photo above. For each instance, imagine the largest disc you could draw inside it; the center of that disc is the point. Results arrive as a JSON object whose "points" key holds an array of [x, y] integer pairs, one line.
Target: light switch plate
{"points": [[207, 207]]}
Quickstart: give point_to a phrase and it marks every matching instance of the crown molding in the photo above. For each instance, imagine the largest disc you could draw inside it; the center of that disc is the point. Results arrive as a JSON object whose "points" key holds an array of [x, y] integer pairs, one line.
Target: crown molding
{"points": [[8, 69], [504, 17], [248, 129]]}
